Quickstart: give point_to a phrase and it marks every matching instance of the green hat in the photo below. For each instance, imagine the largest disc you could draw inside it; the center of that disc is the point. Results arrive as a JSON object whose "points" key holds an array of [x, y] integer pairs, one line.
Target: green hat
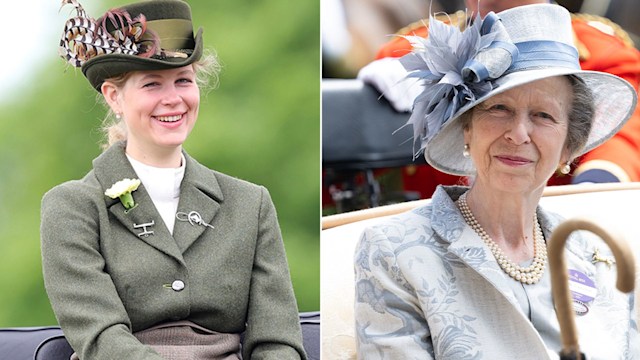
{"points": [[147, 35]]}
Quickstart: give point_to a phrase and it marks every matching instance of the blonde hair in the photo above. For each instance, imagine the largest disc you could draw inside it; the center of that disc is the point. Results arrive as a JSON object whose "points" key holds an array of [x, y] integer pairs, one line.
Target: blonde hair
{"points": [[207, 69]]}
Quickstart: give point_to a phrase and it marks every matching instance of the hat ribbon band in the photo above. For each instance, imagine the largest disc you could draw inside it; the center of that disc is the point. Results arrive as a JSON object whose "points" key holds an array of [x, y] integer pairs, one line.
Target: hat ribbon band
{"points": [[502, 52], [479, 69], [174, 34], [544, 54]]}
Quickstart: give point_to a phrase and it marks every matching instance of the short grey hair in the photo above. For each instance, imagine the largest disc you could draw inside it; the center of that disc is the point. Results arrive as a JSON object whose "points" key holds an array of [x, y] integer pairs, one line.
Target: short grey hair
{"points": [[581, 115]]}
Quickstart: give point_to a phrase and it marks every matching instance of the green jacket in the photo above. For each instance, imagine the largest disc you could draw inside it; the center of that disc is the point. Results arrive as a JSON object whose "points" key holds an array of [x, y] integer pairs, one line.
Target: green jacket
{"points": [[105, 282]]}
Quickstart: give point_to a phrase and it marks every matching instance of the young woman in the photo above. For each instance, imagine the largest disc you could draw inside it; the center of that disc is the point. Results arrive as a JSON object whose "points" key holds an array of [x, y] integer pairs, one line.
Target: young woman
{"points": [[152, 255]]}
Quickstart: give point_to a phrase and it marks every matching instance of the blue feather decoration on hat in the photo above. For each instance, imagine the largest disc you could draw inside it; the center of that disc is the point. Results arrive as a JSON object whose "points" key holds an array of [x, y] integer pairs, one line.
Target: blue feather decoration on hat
{"points": [[456, 67]]}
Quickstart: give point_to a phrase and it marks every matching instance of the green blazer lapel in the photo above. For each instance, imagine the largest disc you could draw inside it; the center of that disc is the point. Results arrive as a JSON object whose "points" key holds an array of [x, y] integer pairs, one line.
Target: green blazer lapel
{"points": [[143, 221], [199, 193]]}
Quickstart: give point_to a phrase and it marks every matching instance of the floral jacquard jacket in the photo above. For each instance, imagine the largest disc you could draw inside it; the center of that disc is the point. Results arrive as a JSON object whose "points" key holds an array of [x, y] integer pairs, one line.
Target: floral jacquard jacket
{"points": [[428, 288]]}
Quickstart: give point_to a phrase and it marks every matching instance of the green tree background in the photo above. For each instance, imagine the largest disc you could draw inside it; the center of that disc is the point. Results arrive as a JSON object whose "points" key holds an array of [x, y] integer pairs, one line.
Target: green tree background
{"points": [[261, 124]]}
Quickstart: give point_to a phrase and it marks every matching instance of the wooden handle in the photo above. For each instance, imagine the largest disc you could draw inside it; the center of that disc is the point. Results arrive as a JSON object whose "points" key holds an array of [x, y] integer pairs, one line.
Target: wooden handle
{"points": [[560, 278]]}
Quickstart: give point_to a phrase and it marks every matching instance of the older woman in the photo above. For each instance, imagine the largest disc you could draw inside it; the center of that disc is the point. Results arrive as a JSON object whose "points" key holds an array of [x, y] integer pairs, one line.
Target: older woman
{"points": [[466, 277], [152, 255]]}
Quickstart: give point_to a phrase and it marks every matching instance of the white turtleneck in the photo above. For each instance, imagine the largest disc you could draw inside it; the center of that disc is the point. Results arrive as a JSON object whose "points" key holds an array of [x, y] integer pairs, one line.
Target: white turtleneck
{"points": [[163, 186]]}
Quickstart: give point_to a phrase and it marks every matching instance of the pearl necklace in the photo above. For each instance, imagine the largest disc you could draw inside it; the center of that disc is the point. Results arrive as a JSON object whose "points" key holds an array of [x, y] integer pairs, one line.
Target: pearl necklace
{"points": [[526, 275]]}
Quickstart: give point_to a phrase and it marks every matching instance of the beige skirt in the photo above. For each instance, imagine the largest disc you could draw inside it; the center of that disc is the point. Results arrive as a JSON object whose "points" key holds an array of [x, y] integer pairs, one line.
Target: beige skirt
{"points": [[184, 340]]}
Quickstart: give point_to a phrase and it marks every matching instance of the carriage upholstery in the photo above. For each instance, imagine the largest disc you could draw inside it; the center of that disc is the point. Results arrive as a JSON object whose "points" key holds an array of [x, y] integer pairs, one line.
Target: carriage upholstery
{"points": [[614, 206], [49, 343]]}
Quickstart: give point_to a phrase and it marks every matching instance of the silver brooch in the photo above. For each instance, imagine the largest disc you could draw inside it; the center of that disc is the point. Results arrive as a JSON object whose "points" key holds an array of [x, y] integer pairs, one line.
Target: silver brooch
{"points": [[144, 226], [193, 218]]}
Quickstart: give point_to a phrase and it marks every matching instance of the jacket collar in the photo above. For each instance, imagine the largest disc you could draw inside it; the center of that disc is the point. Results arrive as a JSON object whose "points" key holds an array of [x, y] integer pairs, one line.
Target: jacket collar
{"points": [[462, 240], [199, 192], [464, 244]]}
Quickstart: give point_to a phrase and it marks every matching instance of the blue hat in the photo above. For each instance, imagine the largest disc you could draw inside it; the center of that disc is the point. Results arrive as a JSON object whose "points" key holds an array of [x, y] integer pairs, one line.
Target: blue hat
{"points": [[459, 70]]}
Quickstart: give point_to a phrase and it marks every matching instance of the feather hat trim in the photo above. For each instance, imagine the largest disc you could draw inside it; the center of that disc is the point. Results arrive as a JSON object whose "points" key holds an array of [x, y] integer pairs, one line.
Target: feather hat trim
{"points": [[460, 69], [148, 35], [84, 37]]}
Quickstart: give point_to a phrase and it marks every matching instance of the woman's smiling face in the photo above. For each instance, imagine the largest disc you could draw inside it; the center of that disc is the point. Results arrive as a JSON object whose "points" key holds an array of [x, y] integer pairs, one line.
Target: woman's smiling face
{"points": [[517, 138], [159, 108]]}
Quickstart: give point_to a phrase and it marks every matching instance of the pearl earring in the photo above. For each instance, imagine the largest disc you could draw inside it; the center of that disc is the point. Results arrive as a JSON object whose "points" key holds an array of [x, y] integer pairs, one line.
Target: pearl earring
{"points": [[566, 168], [118, 116], [465, 151]]}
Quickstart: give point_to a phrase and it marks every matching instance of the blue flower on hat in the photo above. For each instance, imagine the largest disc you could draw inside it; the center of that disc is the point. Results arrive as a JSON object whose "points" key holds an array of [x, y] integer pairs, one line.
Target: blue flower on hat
{"points": [[456, 67]]}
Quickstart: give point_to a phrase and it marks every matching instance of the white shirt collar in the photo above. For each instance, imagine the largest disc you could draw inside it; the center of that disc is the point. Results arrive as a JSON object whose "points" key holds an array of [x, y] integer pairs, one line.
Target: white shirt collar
{"points": [[163, 186]]}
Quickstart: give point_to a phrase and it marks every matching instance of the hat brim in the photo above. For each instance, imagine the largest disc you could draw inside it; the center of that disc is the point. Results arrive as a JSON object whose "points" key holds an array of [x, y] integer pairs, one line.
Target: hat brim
{"points": [[103, 67], [614, 99]]}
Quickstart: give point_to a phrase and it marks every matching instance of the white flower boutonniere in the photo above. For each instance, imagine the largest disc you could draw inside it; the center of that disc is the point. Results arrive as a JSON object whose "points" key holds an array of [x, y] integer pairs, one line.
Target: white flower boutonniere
{"points": [[123, 189]]}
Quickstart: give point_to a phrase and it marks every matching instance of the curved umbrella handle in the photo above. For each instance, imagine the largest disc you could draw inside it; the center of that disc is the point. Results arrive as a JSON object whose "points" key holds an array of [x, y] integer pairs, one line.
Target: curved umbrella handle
{"points": [[560, 278]]}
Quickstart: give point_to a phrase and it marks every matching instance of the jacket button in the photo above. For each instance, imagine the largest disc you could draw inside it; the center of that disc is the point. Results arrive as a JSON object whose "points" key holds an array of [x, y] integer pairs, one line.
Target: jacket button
{"points": [[177, 285]]}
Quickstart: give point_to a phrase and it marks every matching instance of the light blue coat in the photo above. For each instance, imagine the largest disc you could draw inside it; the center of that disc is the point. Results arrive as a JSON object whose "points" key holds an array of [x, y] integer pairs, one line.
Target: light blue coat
{"points": [[428, 288]]}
